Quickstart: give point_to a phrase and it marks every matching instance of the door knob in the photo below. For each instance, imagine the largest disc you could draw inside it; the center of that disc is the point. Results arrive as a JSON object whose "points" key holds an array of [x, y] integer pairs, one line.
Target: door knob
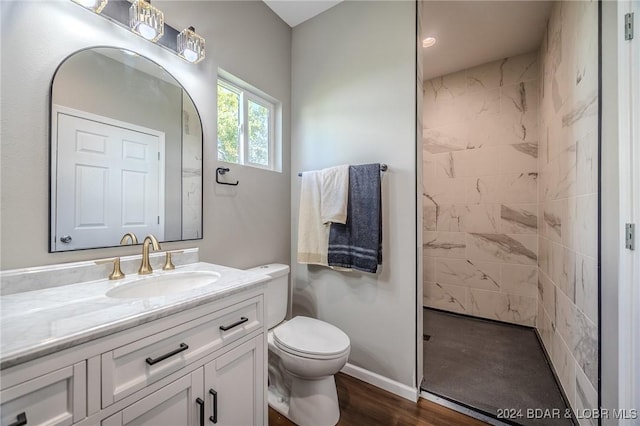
{"points": [[66, 239]]}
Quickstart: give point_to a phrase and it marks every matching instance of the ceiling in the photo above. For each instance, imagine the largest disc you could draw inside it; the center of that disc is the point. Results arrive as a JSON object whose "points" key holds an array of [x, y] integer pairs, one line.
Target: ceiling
{"points": [[295, 12], [469, 33]]}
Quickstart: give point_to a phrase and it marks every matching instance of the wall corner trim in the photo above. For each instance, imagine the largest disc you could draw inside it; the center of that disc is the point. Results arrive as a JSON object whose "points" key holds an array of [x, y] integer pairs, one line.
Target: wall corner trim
{"points": [[381, 382]]}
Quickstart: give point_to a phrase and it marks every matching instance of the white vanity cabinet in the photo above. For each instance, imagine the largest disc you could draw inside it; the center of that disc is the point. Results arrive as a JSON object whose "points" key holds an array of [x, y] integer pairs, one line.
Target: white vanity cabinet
{"points": [[203, 366]]}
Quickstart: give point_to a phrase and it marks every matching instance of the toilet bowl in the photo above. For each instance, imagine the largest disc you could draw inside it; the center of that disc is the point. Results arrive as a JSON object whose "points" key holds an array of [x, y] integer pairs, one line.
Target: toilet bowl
{"points": [[304, 355], [311, 351]]}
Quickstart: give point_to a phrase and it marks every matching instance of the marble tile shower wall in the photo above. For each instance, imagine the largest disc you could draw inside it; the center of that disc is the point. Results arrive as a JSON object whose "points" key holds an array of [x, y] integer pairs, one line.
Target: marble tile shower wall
{"points": [[568, 199], [480, 173]]}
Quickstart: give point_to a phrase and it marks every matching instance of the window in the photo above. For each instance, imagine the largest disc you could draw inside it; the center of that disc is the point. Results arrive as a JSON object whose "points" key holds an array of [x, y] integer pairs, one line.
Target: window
{"points": [[246, 126]]}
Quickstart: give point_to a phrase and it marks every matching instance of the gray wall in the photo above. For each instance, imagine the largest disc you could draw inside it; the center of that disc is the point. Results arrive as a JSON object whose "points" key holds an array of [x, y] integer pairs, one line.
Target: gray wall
{"points": [[245, 38], [94, 83], [354, 102]]}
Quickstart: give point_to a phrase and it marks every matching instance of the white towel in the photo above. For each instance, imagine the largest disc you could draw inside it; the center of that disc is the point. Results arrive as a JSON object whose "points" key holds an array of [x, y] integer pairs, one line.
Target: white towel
{"points": [[335, 194], [313, 235]]}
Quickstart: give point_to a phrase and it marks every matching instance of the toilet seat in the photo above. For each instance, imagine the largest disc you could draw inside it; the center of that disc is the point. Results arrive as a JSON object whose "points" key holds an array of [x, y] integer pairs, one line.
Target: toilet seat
{"points": [[311, 338]]}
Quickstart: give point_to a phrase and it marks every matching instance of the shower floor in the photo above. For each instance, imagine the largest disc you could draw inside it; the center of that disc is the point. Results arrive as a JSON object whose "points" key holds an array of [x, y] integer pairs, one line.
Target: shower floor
{"points": [[490, 367]]}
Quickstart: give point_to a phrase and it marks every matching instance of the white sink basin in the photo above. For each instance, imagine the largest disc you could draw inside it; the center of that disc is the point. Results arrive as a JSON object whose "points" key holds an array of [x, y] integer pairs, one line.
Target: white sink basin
{"points": [[162, 285]]}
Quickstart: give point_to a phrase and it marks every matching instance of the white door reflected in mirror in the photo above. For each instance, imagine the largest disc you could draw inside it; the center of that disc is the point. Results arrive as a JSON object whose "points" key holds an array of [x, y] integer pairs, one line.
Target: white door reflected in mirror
{"points": [[110, 181]]}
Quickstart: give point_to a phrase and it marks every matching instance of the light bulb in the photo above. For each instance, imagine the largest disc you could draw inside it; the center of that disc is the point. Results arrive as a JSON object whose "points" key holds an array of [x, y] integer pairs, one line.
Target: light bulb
{"points": [[190, 46], [428, 42], [190, 55], [146, 20], [146, 31]]}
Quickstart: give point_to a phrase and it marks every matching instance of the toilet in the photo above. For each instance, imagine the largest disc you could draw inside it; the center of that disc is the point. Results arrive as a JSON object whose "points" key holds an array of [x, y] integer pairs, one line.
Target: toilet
{"points": [[304, 355]]}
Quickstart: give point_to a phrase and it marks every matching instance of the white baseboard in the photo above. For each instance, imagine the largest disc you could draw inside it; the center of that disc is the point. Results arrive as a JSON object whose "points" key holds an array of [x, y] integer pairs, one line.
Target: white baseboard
{"points": [[381, 382]]}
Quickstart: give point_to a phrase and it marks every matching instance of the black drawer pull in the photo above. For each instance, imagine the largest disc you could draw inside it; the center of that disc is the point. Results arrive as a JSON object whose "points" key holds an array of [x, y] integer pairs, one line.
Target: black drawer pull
{"points": [[214, 418], [183, 347], [200, 402], [21, 420], [235, 324]]}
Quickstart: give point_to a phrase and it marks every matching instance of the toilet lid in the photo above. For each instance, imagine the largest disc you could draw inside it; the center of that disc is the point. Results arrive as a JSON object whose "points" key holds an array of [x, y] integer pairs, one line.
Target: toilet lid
{"points": [[311, 336]]}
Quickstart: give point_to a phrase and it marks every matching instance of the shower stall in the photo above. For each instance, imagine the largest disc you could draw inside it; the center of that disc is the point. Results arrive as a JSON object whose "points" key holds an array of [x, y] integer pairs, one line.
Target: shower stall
{"points": [[510, 221]]}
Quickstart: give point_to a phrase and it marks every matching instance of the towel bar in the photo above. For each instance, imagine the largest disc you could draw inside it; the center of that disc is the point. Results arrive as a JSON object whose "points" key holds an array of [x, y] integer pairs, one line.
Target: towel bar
{"points": [[383, 168]]}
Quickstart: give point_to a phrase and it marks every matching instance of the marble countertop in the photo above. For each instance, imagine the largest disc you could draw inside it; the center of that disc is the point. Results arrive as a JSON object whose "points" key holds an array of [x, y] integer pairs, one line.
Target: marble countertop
{"points": [[41, 322]]}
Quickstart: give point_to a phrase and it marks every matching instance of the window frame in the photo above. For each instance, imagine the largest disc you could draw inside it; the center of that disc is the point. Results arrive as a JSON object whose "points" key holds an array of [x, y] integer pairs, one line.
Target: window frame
{"points": [[245, 95]]}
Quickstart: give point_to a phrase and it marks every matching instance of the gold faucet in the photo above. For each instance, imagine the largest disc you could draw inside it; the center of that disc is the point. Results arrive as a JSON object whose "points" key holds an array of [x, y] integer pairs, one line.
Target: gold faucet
{"points": [[129, 236], [145, 266]]}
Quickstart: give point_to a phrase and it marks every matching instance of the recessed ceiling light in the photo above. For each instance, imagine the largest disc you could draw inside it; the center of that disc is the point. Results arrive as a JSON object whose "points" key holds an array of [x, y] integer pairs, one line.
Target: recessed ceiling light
{"points": [[428, 42]]}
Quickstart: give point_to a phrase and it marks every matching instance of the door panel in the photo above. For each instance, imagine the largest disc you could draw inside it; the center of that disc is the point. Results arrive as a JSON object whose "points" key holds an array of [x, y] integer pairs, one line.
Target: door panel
{"points": [[108, 183], [174, 404], [236, 378], [90, 204]]}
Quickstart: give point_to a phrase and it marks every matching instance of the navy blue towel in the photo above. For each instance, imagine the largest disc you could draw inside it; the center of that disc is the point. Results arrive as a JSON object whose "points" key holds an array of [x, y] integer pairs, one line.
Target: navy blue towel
{"points": [[358, 243]]}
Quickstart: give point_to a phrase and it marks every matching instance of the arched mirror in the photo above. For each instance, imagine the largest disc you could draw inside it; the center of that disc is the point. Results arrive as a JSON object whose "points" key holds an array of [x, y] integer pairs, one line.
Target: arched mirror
{"points": [[126, 152]]}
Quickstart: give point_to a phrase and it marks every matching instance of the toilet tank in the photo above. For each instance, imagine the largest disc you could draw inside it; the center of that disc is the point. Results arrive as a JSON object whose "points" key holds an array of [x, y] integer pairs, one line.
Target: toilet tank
{"points": [[277, 293]]}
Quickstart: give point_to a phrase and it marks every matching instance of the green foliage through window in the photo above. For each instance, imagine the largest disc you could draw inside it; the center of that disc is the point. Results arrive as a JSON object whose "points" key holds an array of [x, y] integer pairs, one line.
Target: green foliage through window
{"points": [[258, 134], [245, 126], [228, 125]]}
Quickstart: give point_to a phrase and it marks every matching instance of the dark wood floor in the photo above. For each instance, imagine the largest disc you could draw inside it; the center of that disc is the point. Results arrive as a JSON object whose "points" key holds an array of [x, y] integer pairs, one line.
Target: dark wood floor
{"points": [[362, 404]]}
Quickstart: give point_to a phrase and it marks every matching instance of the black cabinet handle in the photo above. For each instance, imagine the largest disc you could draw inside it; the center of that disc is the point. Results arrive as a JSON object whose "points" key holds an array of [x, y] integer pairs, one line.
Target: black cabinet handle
{"points": [[183, 347], [200, 402], [235, 324], [214, 418], [21, 420]]}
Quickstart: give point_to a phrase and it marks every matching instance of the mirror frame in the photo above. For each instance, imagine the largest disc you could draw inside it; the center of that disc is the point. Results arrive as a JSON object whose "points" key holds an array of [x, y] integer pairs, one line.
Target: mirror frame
{"points": [[52, 197]]}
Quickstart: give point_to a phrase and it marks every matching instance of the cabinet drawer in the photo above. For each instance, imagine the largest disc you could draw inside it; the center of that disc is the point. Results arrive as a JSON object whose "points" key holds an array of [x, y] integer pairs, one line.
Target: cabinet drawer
{"points": [[57, 398], [130, 368]]}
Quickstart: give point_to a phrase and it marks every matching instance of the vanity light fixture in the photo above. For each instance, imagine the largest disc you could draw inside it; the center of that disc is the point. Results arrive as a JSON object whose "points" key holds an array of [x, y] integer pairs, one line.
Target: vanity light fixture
{"points": [[94, 5], [190, 45], [146, 20], [428, 42]]}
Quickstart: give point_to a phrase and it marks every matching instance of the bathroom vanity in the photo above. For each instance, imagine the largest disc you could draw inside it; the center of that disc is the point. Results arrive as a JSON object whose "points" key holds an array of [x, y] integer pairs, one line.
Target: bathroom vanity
{"points": [[93, 354]]}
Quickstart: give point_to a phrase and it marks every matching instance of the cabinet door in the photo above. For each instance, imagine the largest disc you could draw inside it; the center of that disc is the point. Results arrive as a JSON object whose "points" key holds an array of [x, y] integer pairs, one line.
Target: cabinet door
{"points": [[234, 386], [55, 399], [178, 403]]}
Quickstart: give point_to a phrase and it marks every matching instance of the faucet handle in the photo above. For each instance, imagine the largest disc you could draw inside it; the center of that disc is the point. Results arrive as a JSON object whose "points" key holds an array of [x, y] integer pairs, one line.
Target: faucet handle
{"points": [[117, 273], [168, 264]]}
